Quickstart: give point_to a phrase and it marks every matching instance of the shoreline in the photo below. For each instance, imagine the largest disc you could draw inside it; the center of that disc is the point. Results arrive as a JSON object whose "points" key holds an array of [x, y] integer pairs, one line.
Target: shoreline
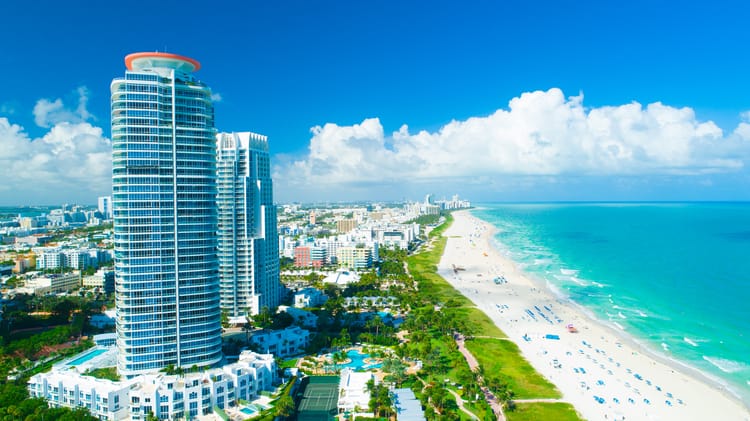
{"points": [[603, 371], [626, 337]]}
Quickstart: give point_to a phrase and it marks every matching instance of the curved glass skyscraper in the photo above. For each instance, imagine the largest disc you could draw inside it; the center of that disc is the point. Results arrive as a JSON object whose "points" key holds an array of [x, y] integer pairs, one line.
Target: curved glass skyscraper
{"points": [[165, 220], [248, 236]]}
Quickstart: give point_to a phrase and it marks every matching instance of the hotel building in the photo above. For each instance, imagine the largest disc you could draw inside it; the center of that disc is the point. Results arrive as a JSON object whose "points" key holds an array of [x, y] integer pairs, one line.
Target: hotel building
{"points": [[248, 239], [165, 221]]}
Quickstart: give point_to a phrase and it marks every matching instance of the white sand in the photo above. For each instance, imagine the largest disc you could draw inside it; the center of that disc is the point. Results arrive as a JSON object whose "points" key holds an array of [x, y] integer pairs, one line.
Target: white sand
{"points": [[605, 354]]}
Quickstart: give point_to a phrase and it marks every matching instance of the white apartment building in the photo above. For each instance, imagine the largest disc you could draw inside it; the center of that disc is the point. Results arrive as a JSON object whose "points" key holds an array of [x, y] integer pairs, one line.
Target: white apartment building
{"points": [[49, 258], [165, 396], [301, 317], [105, 206], [165, 217], [105, 399], [282, 343], [190, 395], [309, 297], [247, 230]]}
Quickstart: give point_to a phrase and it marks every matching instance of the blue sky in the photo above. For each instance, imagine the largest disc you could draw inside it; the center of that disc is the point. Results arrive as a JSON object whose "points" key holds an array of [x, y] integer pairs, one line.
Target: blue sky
{"points": [[391, 100]]}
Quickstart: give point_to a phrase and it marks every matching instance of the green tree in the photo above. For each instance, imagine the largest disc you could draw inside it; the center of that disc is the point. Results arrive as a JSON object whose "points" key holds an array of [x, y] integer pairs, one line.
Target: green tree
{"points": [[224, 319], [264, 319], [284, 406]]}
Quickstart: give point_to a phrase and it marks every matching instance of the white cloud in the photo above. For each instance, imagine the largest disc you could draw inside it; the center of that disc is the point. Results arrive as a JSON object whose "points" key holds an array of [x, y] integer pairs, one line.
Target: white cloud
{"points": [[48, 113], [216, 97], [542, 133], [71, 162]]}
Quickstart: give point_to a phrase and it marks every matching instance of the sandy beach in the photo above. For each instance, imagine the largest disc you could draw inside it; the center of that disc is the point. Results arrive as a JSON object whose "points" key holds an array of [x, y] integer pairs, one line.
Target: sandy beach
{"points": [[601, 371]]}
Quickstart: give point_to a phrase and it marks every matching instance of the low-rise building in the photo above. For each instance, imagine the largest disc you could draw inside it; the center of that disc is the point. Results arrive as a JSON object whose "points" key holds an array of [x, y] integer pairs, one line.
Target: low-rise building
{"points": [[309, 297], [49, 258], [408, 407], [190, 395], [301, 317], [54, 283], [104, 279], [282, 343], [353, 391], [104, 399], [166, 396]]}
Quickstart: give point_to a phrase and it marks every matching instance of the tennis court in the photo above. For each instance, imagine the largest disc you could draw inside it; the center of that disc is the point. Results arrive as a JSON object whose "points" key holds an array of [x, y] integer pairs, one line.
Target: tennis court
{"points": [[319, 398]]}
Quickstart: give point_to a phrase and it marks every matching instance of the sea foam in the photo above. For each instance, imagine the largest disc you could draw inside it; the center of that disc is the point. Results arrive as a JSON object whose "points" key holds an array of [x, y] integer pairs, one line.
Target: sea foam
{"points": [[690, 341], [727, 366]]}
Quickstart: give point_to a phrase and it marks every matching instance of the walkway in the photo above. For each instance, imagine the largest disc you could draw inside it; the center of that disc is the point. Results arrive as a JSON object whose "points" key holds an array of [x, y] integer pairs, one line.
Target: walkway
{"points": [[494, 403], [461, 406]]}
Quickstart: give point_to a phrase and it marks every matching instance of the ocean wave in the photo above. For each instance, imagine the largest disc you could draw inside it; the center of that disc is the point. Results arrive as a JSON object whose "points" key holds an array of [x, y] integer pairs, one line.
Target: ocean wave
{"points": [[727, 366], [569, 272], [690, 341], [578, 281], [622, 316], [664, 346], [540, 262], [618, 325], [630, 310]]}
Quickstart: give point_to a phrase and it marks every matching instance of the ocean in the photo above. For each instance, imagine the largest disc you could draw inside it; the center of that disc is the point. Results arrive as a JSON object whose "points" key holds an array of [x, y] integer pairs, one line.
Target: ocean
{"points": [[673, 276]]}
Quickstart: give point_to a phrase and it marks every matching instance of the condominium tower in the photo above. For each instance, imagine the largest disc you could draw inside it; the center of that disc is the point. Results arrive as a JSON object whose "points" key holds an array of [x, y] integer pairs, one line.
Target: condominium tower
{"points": [[248, 237], [165, 220]]}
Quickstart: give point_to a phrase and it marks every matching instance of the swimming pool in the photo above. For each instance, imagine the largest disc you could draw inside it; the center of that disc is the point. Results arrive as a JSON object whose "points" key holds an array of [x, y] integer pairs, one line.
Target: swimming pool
{"points": [[86, 357], [357, 362], [247, 410]]}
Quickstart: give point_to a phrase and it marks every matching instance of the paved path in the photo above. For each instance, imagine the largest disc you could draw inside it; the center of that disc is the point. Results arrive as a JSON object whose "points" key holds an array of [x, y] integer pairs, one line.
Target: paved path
{"points": [[461, 406], [492, 400]]}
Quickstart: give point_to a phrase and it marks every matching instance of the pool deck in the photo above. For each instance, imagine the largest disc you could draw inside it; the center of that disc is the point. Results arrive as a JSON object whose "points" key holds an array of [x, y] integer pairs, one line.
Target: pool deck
{"points": [[92, 358]]}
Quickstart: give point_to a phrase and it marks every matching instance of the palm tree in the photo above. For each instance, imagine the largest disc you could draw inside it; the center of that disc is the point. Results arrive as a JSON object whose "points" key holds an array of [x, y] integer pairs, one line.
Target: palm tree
{"points": [[248, 328], [284, 406]]}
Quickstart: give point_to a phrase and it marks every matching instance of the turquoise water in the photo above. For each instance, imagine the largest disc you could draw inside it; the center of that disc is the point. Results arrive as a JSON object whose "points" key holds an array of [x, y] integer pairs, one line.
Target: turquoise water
{"points": [[83, 358], [674, 276], [247, 410], [357, 362]]}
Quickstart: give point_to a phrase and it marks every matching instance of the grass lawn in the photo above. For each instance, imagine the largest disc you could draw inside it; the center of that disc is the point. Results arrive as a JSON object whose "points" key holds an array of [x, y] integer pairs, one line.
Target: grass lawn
{"points": [[290, 363], [480, 408], [503, 359], [481, 323], [543, 411], [104, 373]]}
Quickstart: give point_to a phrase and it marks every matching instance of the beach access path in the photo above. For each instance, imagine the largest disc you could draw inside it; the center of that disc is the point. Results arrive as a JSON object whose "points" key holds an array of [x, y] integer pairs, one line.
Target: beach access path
{"points": [[497, 406], [460, 403], [600, 369]]}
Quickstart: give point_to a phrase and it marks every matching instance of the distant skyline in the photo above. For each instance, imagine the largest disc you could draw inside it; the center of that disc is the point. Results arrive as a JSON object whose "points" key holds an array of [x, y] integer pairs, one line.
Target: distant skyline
{"points": [[511, 101]]}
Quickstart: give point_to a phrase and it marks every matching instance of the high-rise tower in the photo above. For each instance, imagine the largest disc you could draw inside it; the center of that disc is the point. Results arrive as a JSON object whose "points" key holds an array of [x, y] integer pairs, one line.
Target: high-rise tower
{"points": [[248, 237], [165, 220]]}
